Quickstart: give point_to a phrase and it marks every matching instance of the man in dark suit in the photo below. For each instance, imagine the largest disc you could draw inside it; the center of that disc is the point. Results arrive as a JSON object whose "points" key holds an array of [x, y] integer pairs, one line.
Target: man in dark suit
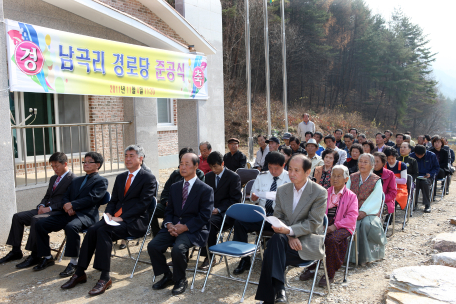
{"points": [[132, 195], [50, 204], [227, 191], [79, 211], [187, 219]]}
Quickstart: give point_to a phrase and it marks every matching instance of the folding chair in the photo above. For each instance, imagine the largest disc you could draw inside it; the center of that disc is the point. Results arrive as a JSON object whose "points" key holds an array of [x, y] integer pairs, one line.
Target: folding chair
{"points": [[410, 200], [243, 213], [351, 237], [247, 190], [435, 187], [247, 175], [61, 250], [308, 264]]}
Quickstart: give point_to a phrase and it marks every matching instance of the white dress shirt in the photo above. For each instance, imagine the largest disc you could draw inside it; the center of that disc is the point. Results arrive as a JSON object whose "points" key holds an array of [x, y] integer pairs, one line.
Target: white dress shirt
{"points": [[297, 193], [260, 157], [133, 177], [263, 184]]}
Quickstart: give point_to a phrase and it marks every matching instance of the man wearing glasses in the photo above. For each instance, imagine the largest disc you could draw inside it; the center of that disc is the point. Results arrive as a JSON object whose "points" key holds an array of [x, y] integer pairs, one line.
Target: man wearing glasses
{"points": [[79, 211]]}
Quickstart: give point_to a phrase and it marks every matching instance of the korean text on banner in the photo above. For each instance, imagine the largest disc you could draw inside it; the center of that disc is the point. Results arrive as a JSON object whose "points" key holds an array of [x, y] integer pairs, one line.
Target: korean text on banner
{"points": [[46, 60]]}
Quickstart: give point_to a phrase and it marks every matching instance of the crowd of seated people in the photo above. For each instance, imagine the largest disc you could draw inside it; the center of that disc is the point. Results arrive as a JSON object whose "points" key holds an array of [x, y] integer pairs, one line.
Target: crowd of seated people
{"points": [[346, 181]]}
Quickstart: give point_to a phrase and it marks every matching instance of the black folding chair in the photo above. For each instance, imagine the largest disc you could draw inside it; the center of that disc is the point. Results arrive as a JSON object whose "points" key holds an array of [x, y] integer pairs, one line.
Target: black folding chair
{"points": [[247, 175], [410, 200], [246, 191]]}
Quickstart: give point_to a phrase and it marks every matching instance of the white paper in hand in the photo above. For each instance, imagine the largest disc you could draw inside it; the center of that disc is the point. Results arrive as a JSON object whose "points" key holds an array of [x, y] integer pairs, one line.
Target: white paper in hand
{"points": [[273, 220], [109, 222]]}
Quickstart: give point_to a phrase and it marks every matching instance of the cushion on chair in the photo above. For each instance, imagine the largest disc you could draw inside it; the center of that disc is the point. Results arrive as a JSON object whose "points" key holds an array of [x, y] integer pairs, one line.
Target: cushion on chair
{"points": [[233, 248]]}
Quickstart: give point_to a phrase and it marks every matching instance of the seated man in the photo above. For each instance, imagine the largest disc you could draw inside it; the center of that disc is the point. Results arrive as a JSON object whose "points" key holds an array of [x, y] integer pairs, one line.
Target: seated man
{"points": [[399, 141], [267, 181], [387, 139], [173, 178], [300, 205], [428, 168], [339, 142], [50, 204], [262, 152], [330, 142], [349, 140], [234, 159], [132, 195], [80, 211], [354, 132], [311, 149], [318, 136], [412, 166], [380, 142], [205, 149], [308, 135], [368, 188], [362, 138], [286, 141], [227, 191], [186, 224], [273, 144], [295, 146], [342, 212]]}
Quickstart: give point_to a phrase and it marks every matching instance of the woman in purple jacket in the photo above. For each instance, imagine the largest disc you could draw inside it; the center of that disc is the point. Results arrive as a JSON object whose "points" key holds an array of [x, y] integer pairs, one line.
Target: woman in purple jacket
{"points": [[342, 212]]}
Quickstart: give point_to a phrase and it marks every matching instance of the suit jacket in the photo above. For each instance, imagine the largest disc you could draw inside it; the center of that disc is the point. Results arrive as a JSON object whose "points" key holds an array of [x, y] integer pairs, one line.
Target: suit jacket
{"points": [[196, 212], [228, 191], [55, 197], [86, 200], [307, 218], [135, 203]]}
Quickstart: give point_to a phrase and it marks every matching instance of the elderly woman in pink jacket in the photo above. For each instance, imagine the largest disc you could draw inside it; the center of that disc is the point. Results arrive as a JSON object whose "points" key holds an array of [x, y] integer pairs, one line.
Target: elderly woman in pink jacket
{"points": [[342, 212]]}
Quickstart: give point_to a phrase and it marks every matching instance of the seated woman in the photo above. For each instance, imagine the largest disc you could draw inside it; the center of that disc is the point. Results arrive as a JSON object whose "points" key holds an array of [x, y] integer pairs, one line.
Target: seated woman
{"points": [[368, 189], [287, 152], [442, 156], [368, 146], [342, 212], [400, 171], [355, 151], [322, 174], [388, 179]]}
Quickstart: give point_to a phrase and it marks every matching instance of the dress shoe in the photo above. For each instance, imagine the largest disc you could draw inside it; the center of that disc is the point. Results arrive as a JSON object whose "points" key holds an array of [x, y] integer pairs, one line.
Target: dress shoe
{"points": [[170, 264], [29, 262], [322, 282], [166, 281], [205, 265], [122, 246], [69, 271], [180, 287], [74, 280], [427, 209], [306, 275], [281, 297], [243, 265], [45, 263], [100, 287], [11, 256]]}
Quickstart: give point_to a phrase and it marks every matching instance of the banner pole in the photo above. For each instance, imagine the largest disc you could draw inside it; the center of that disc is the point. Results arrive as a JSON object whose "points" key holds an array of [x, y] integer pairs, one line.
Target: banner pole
{"points": [[284, 65], [266, 58], [248, 72]]}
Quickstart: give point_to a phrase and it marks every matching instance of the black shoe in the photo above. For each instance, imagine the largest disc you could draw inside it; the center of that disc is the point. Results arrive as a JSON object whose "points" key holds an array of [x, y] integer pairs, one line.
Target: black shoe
{"points": [[45, 263], [122, 246], [69, 271], [180, 287], [281, 297], [243, 265], [11, 256], [29, 262], [166, 281], [427, 209]]}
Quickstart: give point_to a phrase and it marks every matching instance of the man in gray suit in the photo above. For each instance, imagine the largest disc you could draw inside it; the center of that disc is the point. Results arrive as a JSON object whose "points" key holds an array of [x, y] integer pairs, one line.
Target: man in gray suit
{"points": [[301, 205]]}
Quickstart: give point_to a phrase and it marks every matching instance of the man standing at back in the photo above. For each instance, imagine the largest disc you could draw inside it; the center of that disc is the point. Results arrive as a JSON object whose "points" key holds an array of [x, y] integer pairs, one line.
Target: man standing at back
{"points": [[187, 224], [50, 204], [132, 195], [304, 126], [234, 159], [80, 211]]}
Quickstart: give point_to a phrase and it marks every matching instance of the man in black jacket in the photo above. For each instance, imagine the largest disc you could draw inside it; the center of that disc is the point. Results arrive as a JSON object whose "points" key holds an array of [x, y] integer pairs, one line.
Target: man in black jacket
{"points": [[227, 191], [234, 159], [79, 211], [132, 195], [164, 196], [186, 224], [412, 165], [50, 204]]}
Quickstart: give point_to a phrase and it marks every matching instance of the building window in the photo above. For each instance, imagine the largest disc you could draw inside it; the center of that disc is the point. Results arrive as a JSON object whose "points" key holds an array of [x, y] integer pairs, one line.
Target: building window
{"points": [[164, 110]]}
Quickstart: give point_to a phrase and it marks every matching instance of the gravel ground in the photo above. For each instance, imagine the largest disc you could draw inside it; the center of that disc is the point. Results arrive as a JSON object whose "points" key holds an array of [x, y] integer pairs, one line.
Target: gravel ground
{"points": [[365, 284]]}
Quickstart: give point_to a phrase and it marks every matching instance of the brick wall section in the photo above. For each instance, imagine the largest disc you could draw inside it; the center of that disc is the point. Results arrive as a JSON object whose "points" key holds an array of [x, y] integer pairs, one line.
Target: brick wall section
{"points": [[103, 109], [167, 140], [137, 10]]}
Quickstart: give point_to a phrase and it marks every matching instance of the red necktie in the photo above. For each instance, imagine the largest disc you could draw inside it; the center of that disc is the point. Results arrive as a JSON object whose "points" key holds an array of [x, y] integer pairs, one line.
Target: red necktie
{"points": [[57, 181], [127, 186]]}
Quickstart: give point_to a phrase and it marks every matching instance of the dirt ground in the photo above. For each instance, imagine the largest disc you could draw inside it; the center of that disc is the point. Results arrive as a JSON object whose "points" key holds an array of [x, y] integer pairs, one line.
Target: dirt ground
{"points": [[365, 284]]}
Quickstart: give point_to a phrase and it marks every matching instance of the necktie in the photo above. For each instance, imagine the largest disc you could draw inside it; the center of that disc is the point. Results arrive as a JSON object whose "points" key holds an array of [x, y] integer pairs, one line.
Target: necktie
{"points": [[127, 186], [217, 181], [57, 181], [269, 209], [83, 183], [185, 193]]}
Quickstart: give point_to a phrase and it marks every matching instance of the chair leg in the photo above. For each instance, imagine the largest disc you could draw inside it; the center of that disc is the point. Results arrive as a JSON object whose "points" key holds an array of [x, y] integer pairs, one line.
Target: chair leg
{"points": [[208, 272], [394, 221], [128, 249], [313, 282], [326, 274], [196, 267], [348, 258], [356, 249], [248, 276], [61, 250], [137, 258]]}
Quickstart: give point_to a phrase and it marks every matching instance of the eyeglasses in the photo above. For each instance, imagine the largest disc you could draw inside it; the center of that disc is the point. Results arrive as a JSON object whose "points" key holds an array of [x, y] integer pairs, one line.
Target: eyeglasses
{"points": [[89, 162]]}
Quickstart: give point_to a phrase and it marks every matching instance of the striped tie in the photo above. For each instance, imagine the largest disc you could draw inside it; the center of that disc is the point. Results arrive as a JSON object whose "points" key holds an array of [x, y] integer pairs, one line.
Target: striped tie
{"points": [[269, 209], [57, 181], [185, 193]]}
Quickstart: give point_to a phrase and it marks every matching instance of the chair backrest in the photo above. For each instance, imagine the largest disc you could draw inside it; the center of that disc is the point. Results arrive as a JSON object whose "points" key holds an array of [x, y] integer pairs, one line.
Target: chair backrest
{"points": [[247, 189], [106, 199], [246, 213], [325, 223], [383, 204], [409, 182], [153, 204], [247, 174]]}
